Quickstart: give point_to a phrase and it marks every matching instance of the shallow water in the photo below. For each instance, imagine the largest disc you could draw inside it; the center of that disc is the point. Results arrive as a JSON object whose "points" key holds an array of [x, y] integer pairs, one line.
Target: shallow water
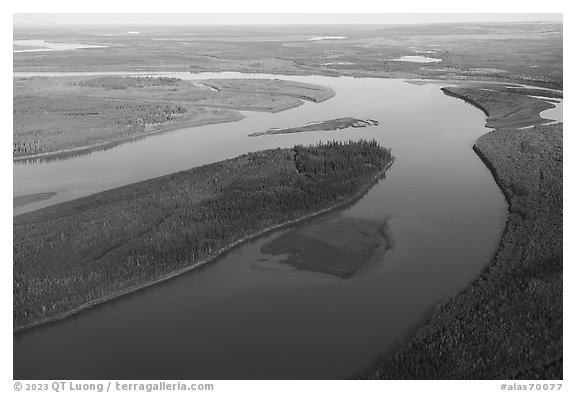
{"points": [[232, 320]]}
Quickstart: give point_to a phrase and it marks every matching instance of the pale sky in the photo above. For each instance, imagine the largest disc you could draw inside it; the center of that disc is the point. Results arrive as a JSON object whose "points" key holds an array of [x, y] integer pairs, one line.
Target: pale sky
{"points": [[272, 19]]}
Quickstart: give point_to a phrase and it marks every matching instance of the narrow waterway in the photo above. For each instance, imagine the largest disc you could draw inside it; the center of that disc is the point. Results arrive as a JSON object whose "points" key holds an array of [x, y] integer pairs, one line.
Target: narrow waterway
{"points": [[232, 320]]}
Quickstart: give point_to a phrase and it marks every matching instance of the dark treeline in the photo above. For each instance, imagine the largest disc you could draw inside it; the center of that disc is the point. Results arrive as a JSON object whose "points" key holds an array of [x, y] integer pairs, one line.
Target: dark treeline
{"points": [[74, 253]]}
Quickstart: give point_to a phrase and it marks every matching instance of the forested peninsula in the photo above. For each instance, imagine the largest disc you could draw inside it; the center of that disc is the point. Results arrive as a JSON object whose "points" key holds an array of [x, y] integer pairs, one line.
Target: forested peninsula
{"points": [[77, 254]]}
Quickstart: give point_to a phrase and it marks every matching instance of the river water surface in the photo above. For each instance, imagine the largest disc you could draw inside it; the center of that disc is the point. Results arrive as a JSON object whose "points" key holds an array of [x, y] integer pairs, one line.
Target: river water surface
{"points": [[231, 320]]}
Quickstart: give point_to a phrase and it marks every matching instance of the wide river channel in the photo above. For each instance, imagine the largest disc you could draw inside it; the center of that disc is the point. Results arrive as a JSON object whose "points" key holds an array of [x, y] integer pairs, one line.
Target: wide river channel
{"points": [[230, 320]]}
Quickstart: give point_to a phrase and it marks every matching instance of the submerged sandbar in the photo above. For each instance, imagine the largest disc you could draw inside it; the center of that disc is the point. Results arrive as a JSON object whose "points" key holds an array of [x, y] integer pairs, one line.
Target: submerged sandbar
{"points": [[31, 198], [338, 246]]}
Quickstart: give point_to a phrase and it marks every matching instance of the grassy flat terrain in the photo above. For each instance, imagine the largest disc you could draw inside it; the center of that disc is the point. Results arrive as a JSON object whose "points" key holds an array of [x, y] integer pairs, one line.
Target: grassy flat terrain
{"points": [[503, 108], [53, 114], [79, 253], [327, 125], [513, 52], [272, 87]]}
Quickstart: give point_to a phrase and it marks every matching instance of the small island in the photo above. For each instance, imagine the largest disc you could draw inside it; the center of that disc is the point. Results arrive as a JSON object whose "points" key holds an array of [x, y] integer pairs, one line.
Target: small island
{"points": [[326, 125]]}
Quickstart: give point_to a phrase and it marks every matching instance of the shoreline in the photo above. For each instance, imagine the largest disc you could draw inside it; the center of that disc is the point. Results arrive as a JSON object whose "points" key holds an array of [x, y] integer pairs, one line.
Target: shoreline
{"points": [[235, 115], [374, 371], [467, 100], [86, 306], [518, 115], [65, 153], [426, 354], [72, 152]]}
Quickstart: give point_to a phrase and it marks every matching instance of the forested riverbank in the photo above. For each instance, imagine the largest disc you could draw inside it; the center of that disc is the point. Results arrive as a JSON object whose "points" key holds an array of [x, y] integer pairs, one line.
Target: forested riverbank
{"points": [[508, 323]]}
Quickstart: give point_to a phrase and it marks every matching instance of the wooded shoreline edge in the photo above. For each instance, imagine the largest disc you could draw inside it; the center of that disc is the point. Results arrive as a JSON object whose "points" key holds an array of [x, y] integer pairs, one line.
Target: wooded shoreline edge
{"points": [[512, 313]]}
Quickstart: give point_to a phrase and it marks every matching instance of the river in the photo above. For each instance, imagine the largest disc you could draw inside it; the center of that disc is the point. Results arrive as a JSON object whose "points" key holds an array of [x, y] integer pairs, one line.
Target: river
{"points": [[229, 320]]}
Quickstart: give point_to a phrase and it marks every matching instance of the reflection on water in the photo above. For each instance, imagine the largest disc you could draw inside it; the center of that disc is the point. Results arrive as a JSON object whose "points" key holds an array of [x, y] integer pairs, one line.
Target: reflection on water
{"points": [[232, 320], [73, 153]]}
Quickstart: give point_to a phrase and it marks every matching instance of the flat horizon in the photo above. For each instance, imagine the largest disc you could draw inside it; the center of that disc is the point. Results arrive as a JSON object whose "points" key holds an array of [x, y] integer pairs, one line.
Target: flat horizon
{"points": [[209, 19]]}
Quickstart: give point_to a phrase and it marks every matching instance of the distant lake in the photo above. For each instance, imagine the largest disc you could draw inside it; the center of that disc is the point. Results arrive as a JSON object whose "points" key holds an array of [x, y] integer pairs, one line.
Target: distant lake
{"points": [[44, 46], [326, 38], [231, 319], [418, 59]]}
